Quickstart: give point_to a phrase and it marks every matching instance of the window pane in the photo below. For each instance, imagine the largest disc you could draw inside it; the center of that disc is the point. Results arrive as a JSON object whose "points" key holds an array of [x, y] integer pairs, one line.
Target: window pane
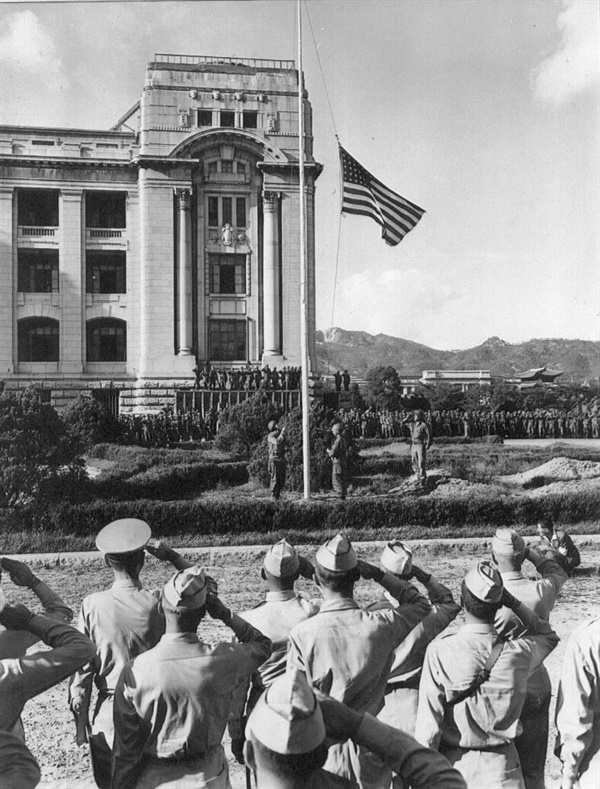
{"points": [[105, 209], [38, 207], [213, 211], [240, 209], [250, 120], [204, 118], [227, 118], [105, 272], [240, 168], [227, 203], [37, 340], [227, 274], [106, 340], [212, 168], [38, 271], [227, 340], [226, 166]]}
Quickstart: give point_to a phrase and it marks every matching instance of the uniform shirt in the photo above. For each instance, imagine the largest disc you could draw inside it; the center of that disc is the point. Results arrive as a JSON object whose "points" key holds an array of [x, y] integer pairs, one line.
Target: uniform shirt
{"points": [[15, 643], [490, 717], [173, 701], [347, 652], [276, 445], [578, 703], [18, 768], [409, 655], [123, 622], [339, 450], [419, 433], [23, 678]]}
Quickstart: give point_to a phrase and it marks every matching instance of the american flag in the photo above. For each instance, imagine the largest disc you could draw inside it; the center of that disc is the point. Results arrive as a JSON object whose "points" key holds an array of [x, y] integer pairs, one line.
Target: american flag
{"points": [[363, 194]]}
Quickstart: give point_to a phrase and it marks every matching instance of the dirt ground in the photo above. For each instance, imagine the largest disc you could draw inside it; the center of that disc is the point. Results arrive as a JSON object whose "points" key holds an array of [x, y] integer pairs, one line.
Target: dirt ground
{"points": [[49, 727]]}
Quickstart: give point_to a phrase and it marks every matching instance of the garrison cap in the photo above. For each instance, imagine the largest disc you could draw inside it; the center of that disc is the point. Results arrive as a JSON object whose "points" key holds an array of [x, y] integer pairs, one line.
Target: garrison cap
{"points": [[337, 555], [484, 582], [272, 425], [337, 428], [123, 536], [397, 558], [187, 588], [287, 718], [281, 559], [507, 542], [418, 415]]}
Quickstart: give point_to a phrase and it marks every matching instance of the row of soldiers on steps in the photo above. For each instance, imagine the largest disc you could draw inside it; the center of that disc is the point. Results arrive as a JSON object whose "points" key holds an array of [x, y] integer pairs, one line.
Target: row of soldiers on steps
{"points": [[318, 693], [247, 378]]}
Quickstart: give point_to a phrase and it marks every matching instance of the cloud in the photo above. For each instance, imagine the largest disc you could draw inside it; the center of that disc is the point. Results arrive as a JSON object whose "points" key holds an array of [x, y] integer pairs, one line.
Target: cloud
{"points": [[574, 67], [25, 45]]}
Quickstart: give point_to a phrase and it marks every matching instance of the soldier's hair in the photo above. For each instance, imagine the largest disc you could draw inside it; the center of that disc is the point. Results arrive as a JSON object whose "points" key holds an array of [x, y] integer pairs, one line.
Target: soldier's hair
{"points": [[337, 581], [131, 563], [188, 618], [291, 765], [546, 523], [479, 608]]}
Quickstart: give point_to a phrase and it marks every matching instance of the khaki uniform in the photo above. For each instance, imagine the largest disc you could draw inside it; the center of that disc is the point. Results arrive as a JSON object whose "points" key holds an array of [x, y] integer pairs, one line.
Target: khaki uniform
{"points": [[347, 653], [23, 678], [171, 709], [420, 438], [123, 622], [477, 734], [277, 468], [539, 596], [402, 689], [578, 707]]}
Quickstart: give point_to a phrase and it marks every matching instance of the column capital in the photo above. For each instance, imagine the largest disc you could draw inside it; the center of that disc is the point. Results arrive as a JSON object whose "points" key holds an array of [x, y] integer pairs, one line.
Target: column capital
{"points": [[270, 200], [184, 199]]}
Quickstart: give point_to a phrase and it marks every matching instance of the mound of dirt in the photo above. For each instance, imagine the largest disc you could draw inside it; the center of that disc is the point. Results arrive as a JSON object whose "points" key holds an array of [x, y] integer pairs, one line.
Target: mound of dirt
{"points": [[557, 470]]}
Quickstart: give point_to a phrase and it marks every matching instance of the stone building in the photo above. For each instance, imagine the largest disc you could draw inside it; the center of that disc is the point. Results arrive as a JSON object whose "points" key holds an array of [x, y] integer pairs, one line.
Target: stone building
{"points": [[130, 256]]}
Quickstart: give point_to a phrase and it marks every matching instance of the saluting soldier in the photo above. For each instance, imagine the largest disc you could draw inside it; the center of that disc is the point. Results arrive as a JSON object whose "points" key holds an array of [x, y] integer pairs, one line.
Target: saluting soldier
{"points": [[508, 553], [172, 702], [474, 683], [347, 652], [276, 443], [338, 452], [420, 441], [123, 622]]}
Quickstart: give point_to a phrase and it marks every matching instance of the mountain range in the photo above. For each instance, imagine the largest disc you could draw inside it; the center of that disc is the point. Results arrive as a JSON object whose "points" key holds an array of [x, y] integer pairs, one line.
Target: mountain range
{"points": [[358, 351]]}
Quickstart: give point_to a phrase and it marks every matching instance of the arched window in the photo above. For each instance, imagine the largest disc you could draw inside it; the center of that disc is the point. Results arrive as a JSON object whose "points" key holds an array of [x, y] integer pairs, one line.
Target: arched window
{"points": [[106, 340], [37, 340]]}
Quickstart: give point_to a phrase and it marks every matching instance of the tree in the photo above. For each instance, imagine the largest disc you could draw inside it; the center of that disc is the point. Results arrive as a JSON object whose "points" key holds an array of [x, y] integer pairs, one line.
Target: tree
{"points": [[384, 387], [244, 425], [37, 456], [89, 422]]}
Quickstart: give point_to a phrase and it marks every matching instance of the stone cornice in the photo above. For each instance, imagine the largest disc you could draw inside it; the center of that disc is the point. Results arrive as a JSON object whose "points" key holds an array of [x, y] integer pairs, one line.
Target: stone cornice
{"points": [[34, 161]]}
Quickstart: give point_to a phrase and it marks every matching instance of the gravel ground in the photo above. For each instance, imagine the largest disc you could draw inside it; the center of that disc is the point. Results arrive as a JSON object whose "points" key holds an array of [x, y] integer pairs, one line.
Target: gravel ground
{"points": [[50, 730]]}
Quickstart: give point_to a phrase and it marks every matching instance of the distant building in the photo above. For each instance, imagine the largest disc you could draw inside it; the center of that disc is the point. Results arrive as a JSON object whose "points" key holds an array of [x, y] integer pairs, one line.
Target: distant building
{"points": [[535, 376], [131, 255], [466, 379]]}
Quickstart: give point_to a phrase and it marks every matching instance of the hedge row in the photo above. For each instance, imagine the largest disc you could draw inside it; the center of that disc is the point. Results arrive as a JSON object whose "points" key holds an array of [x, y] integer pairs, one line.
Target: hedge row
{"points": [[200, 518]]}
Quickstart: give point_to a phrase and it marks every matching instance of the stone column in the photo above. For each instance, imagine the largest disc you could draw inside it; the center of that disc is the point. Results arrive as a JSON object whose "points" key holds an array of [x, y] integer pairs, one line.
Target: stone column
{"points": [[184, 272], [8, 290], [271, 276], [72, 282]]}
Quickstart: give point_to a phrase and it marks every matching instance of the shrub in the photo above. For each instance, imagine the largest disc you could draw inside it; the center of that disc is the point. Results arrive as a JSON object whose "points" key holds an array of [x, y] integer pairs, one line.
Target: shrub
{"points": [[244, 425], [89, 422]]}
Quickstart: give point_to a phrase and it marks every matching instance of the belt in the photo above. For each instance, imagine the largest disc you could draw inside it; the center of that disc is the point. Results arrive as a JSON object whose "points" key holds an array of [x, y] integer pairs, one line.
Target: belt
{"points": [[408, 684]]}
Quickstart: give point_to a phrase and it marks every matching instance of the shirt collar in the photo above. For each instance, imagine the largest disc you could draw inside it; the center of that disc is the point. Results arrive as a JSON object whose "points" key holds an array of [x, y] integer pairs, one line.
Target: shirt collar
{"points": [[339, 605], [280, 595], [480, 627], [513, 575], [129, 583], [184, 638]]}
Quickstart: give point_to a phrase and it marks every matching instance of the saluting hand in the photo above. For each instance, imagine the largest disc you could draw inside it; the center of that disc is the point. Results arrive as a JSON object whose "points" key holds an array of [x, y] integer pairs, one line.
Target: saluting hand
{"points": [[19, 572], [16, 617], [306, 568], [369, 572], [217, 609]]}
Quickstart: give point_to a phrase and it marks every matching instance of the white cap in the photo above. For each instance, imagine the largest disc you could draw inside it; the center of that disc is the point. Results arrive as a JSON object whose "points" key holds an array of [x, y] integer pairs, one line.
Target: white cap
{"points": [[123, 536], [484, 582], [2, 599], [287, 718], [187, 588], [281, 559], [337, 555], [507, 542], [397, 558]]}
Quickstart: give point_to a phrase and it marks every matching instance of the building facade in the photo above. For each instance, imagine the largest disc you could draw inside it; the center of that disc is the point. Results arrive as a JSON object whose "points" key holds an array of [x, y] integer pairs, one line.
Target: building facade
{"points": [[131, 256]]}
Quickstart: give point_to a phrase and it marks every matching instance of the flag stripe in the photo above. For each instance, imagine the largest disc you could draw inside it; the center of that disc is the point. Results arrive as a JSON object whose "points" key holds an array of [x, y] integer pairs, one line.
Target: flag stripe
{"points": [[365, 195]]}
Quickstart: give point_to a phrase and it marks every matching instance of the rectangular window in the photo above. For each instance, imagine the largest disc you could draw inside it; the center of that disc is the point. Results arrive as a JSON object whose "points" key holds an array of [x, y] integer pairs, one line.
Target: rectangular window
{"points": [[204, 118], [105, 209], [250, 120], [38, 340], [226, 166], [227, 118], [227, 209], [227, 274], [105, 271], [227, 340], [38, 271], [38, 207], [212, 168], [240, 168], [45, 143]]}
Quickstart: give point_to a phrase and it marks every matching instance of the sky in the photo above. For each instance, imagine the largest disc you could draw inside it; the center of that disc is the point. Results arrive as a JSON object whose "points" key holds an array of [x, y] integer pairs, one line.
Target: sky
{"points": [[483, 112]]}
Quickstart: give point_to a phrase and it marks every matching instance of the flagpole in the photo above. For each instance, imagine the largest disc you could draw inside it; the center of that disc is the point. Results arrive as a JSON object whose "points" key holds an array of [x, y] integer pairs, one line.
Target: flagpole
{"points": [[303, 270]]}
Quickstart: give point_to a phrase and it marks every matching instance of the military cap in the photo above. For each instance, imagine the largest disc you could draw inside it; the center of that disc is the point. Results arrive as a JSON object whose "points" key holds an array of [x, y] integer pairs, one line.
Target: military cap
{"points": [[337, 554], [272, 425], [418, 415], [187, 588], [123, 536], [337, 428], [507, 542], [287, 718], [397, 558], [484, 582], [2, 599], [281, 559]]}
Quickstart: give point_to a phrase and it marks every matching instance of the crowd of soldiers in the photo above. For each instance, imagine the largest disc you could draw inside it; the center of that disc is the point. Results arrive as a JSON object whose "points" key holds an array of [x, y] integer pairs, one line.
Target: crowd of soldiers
{"points": [[168, 427], [316, 692], [250, 378], [476, 423]]}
